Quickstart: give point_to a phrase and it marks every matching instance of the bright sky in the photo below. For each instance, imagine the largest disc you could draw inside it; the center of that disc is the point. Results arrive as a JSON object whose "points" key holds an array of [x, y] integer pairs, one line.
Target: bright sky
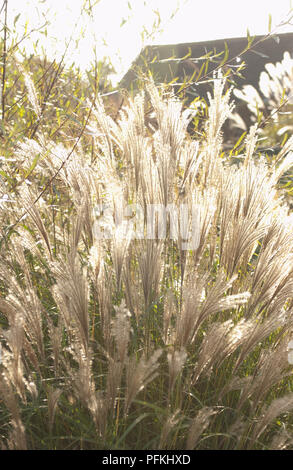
{"points": [[117, 24]]}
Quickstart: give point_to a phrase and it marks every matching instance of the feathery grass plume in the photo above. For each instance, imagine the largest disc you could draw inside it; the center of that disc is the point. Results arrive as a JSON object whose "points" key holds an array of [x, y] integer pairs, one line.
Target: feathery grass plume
{"points": [[286, 163], [167, 428], [149, 254], [83, 385], [271, 369], [189, 162], [219, 110], [247, 201], [275, 85], [250, 95], [121, 331], [114, 377], [172, 121], [270, 413], [187, 318], [106, 130], [281, 441], [75, 233], [150, 184], [30, 88], [220, 341], [262, 329], [198, 426], [165, 171], [13, 373], [82, 378], [120, 244], [53, 398], [251, 141], [132, 139], [23, 300], [29, 151], [105, 292], [238, 428], [16, 438], [30, 243], [206, 207], [55, 156], [77, 174], [204, 304], [176, 360], [139, 374], [71, 295], [271, 104], [13, 383], [20, 332], [28, 203], [271, 281], [132, 281], [84, 194], [30, 304], [55, 335], [96, 259], [287, 147], [170, 310]]}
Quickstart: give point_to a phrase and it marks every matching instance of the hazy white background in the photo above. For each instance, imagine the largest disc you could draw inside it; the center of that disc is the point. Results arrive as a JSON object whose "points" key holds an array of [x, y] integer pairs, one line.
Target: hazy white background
{"points": [[117, 24]]}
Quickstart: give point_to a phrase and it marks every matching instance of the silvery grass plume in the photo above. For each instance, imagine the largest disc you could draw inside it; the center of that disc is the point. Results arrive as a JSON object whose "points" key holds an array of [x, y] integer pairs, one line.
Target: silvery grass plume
{"points": [[275, 95], [167, 429], [198, 426], [32, 94], [118, 336], [275, 85]]}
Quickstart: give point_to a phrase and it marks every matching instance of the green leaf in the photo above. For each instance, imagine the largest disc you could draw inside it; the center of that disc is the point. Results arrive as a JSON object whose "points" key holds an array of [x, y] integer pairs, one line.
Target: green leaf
{"points": [[34, 163], [206, 67], [200, 71], [175, 79], [33, 166], [248, 35], [187, 55], [7, 177], [285, 138], [283, 96], [135, 422], [270, 23], [239, 141], [250, 40], [16, 19], [226, 55]]}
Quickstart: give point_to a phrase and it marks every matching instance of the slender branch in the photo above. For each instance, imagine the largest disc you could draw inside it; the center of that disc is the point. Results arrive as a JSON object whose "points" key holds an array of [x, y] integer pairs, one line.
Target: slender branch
{"points": [[230, 61], [4, 59]]}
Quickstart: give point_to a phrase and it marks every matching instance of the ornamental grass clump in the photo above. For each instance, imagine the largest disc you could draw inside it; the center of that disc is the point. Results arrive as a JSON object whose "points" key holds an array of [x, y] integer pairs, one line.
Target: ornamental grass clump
{"points": [[118, 335]]}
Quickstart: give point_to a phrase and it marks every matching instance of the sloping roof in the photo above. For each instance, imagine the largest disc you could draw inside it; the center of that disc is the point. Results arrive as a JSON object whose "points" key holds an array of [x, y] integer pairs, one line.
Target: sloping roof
{"points": [[178, 60]]}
